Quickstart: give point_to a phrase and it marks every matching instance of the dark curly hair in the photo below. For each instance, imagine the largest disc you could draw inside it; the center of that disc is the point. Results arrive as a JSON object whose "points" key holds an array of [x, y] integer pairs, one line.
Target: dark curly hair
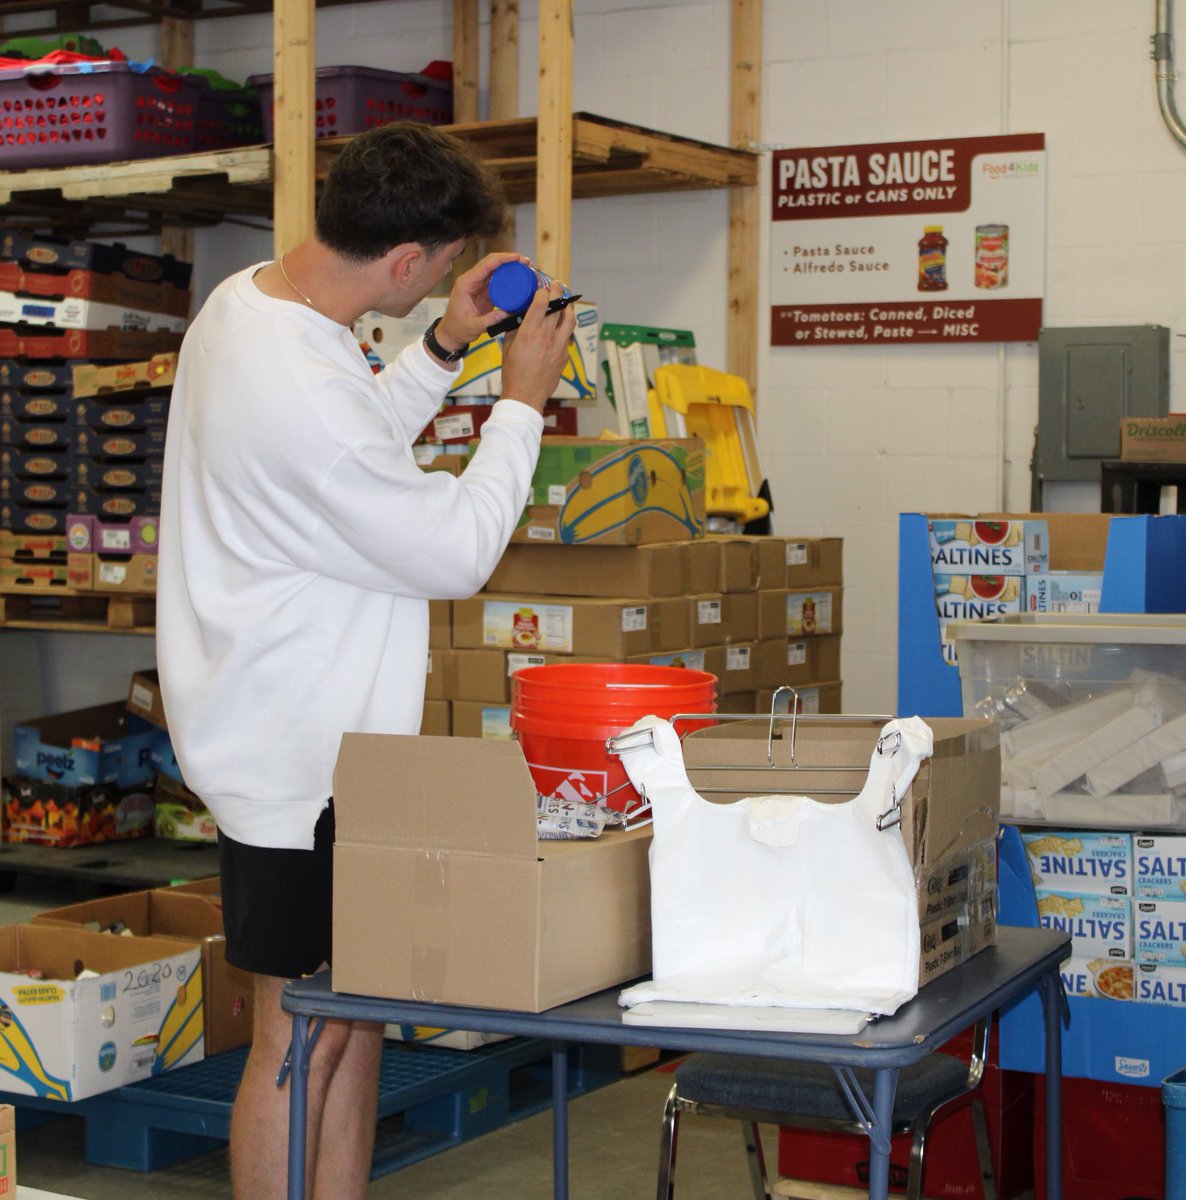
{"points": [[406, 182]]}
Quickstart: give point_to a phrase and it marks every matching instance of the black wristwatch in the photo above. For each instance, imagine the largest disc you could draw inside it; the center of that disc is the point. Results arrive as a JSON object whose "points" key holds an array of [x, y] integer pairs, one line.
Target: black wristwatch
{"points": [[449, 356]]}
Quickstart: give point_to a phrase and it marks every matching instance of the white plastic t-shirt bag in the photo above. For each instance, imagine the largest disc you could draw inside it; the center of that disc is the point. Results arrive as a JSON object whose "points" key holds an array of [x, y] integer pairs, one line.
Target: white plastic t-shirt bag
{"points": [[780, 900]]}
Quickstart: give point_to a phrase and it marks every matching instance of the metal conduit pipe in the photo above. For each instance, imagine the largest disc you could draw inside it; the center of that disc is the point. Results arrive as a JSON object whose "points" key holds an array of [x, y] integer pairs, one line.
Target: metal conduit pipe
{"points": [[1163, 58]]}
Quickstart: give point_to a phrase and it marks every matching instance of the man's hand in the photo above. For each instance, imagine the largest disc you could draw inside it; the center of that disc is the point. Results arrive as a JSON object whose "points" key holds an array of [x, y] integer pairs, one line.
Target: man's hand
{"points": [[470, 310], [534, 354]]}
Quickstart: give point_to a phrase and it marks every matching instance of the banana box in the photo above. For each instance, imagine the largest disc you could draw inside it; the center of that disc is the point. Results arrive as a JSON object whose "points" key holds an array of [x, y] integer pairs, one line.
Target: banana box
{"points": [[137, 1012], [615, 492], [187, 915], [383, 337]]}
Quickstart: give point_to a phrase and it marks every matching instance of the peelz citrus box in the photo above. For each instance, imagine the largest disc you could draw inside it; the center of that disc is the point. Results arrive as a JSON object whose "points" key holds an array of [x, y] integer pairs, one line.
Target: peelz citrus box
{"points": [[65, 1038], [615, 492], [971, 546]]}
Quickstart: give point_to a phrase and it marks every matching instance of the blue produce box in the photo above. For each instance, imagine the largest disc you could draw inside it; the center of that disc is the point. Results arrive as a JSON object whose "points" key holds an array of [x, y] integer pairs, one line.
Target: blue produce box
{"points": [[104, 744]]}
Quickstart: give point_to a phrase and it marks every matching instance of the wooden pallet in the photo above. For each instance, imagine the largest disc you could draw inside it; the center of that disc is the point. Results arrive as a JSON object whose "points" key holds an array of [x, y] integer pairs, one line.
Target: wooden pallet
{"points": [[62, 608]]}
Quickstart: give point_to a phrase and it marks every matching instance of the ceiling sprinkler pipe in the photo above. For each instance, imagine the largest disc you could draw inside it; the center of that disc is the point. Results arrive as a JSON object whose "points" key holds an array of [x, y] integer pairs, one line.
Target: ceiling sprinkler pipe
{"points": [[1163, 57]]}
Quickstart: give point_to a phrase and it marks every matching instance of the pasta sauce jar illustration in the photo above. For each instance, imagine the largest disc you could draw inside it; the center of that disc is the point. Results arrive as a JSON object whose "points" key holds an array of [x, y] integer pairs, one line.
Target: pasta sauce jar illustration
{"points": [[992, 256], [932, 260]]}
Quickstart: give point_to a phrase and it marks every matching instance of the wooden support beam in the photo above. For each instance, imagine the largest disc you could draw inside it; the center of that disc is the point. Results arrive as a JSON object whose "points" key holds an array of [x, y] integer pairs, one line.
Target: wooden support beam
{"points": [[741, 322], [504, 84], [465, 60], [553, 230], [177, 50], [295, 42]]}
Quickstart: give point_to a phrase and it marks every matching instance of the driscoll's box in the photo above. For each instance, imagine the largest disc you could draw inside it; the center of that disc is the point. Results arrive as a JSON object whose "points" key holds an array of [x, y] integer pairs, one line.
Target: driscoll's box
{"points": [[972, 546]]}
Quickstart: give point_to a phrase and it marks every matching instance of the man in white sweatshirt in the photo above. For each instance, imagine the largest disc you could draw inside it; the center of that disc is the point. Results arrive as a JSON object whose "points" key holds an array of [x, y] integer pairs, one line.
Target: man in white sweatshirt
{"points": [[300, 545]]}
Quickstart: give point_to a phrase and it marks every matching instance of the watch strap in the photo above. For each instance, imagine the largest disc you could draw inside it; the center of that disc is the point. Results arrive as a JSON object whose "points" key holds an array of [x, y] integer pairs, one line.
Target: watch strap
{"points": [[449, 356]]}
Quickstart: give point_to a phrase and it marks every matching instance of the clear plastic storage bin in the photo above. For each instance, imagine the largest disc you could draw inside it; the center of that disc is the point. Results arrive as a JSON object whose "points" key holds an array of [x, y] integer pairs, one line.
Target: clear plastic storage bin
{"points": [[1092, 711]]}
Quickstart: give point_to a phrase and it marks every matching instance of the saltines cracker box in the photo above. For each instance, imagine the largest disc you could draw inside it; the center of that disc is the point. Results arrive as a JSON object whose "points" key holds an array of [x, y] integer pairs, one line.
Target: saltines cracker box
{"points": [[1159, 866], [977, 546], [1160, 931], [1100, 926], [1088, 863]]}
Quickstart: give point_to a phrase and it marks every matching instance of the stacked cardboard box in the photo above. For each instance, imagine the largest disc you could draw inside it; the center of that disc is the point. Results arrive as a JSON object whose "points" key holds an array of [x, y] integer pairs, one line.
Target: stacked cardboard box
{"points": [[721, 603], [67, 307]]}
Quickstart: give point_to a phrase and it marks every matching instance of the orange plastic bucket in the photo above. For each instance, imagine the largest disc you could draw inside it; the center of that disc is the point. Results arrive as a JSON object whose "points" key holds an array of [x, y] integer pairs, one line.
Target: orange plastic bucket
{"points": [[563, 713]]}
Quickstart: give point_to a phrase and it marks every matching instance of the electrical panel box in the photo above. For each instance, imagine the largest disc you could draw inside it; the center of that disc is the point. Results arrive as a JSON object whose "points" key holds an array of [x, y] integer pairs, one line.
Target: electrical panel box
{"points": [[1089, 379]]}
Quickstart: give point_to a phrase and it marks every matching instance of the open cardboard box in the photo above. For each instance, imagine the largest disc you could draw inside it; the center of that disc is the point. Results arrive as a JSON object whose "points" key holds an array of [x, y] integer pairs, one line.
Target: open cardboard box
{"points": [[66, 1038], [442, 891], [189, 917]]}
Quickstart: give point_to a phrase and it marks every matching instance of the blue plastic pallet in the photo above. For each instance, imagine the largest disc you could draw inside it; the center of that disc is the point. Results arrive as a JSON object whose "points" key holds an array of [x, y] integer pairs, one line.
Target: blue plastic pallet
{"points": [[430, 1098]]}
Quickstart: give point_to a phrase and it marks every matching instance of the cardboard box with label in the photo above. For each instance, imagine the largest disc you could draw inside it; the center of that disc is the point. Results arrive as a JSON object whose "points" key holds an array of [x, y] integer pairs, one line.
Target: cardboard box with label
{"points": [[68, 1038], [442, 891], [570, 625], [649, 571], [7, 1150], [788, 614], [722, 618], [615, 492], [182, 916], [1153, 439], [791, 662]]}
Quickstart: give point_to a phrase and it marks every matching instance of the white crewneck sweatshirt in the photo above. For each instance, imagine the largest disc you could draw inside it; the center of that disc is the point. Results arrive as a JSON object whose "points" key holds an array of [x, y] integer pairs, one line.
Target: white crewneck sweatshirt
{"points": [[300, 544]]}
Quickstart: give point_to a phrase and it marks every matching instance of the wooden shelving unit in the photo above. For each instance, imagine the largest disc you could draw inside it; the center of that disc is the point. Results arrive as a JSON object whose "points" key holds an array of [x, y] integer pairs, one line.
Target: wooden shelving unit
{"points": [[609, 158]]}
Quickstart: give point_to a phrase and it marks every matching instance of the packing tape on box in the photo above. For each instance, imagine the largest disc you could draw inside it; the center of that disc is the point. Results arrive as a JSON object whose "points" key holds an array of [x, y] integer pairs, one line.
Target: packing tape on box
{"points": [[429, 932]]}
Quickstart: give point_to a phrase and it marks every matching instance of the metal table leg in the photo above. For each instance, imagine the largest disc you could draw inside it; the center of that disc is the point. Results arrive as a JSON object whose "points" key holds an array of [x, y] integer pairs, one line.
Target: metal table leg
{"points": [[1054, 1003], [296, 1071], [875, 1118], [559, 1121]]}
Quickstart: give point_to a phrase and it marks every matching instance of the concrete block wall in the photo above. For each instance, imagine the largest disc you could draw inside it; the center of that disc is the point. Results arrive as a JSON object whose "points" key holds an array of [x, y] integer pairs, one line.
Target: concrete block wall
{"points": [[851, 435]]}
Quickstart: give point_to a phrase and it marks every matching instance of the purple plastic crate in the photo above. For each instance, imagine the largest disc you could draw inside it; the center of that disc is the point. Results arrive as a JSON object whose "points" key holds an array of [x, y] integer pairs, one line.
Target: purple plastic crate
{"points": [[355, 99], [228, 117], [93, 112]]}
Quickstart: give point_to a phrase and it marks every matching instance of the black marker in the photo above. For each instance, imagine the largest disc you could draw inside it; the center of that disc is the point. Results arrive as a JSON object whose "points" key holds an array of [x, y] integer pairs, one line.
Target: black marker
{"points": [[516, 319]]}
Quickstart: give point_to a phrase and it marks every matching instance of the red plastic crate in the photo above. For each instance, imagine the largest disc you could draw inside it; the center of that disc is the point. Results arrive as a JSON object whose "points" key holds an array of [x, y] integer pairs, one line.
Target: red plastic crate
{"points": [[355, 99], [94, 112]]}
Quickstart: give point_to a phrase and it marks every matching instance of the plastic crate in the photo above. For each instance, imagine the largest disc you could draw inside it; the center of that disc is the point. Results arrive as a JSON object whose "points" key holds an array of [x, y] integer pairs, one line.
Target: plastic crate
{"points": [[355, 99], [93, 112], [228, 117]]}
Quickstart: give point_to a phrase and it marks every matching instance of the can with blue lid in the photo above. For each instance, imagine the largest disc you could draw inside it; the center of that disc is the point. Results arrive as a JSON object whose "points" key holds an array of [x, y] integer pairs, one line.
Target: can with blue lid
{"points": [[512, 285]]}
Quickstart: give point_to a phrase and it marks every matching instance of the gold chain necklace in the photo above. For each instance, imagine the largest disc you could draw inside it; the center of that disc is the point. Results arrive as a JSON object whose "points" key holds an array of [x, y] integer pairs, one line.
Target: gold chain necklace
{"points": [[294, 286]]}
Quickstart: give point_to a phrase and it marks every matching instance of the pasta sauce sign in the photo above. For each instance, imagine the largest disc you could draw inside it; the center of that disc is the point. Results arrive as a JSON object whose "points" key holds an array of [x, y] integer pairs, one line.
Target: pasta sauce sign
{"points": [[909, 242]]}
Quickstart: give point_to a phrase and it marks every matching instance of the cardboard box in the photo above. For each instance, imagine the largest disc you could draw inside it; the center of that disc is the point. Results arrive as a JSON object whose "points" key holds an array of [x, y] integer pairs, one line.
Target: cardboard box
{"points": [[485, 675], [437, 861], [113, 572], [1155, 983], [102, 744], [82, 284], [1100, 926], [145, 700], [648, 571], [482, 719], [1064, 592], [1098, 978], [73, 1038], [1096, 864], [62, 815], [785, 614], [988, 546], [949, 812], [228, 992], [1159, 934], [790, 662], [72, 313], [722, 563], [614, 629], [440, 624], [45, 253], [628, 357], [7, 1150], [437, 720], [40, 405], [722, 618], [43, 576], [812, 698], [91, 379], [137, 535], [735, 666], [33, 547], [1153, 439], [615, 492]]}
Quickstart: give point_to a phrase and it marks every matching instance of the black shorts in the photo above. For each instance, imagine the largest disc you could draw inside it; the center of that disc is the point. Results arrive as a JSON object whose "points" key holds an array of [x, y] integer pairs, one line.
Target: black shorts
{"points": [[277, 904]]}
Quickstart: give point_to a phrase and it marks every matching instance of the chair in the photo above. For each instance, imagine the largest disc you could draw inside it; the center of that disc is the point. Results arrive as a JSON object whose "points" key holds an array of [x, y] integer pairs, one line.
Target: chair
{"points": [[809, 1096]]}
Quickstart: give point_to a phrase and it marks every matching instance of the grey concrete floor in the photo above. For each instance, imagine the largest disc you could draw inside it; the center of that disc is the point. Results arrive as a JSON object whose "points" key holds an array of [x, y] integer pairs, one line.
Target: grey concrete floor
{"points": [[614, 1154]]}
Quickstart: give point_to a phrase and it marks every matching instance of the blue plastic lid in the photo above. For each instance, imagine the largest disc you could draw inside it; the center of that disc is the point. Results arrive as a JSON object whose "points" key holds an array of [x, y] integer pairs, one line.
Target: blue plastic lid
{"points": [[512, 286]]}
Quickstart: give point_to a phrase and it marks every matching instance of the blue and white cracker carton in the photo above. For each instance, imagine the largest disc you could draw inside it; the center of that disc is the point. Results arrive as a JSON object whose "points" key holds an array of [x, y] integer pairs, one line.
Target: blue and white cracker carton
{"points": [[1159, 931], [1097, 978], [1159, 866], [1084, 862], [974, 546], [1100, 926], [1064, 592], [1155, 983]]}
